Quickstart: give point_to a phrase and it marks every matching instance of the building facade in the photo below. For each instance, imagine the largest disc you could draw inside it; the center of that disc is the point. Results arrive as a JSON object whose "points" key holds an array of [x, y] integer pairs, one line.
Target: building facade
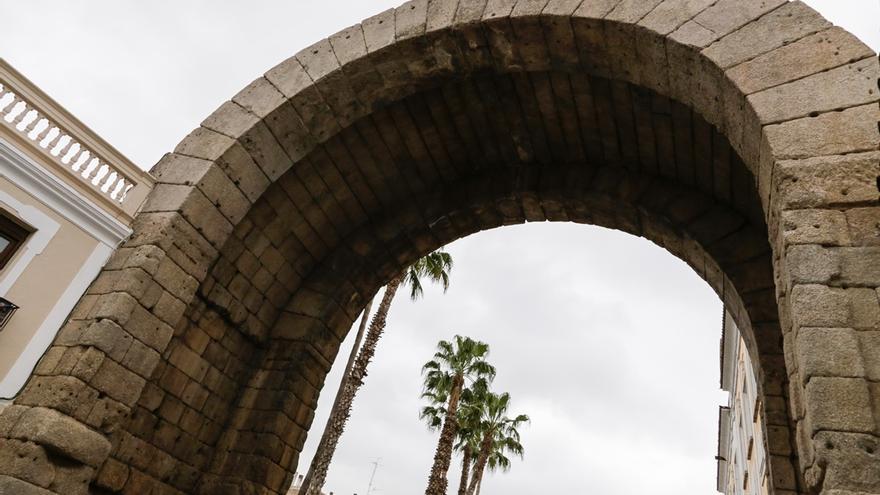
{"points": [[742, 452], [297, 483], [67, 200]]}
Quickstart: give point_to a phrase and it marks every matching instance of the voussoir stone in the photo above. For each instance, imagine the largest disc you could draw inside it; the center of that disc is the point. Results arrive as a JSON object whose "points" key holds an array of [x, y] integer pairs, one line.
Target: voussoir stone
{"points": [[670, 14], [833, 133], [815, 53], [788, 23], [725, 16], [844, 87]]}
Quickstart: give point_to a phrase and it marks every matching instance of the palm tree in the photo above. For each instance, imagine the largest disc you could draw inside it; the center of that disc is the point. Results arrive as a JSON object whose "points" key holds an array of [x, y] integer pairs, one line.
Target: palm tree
{"points": [[468, 444], [435, 267], [454, 365], [498, 457], [500, 435], [468, 436]]}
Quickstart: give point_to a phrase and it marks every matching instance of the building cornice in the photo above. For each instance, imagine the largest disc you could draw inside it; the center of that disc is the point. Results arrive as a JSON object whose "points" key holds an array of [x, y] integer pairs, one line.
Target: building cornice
{"points": [[25, 173]]}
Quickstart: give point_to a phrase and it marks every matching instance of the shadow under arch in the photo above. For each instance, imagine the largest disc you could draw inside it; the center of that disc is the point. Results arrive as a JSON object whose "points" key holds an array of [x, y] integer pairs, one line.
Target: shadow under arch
{"points": [[293, 203], [736, 262]]}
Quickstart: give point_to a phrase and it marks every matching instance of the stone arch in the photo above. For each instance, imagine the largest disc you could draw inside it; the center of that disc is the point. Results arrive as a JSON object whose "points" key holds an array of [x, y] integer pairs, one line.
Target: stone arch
{"points": [[740, 135]]}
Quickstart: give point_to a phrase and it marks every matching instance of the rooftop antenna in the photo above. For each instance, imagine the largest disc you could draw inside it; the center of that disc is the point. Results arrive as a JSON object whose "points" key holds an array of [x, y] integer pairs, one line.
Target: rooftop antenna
{"points": [[373, 476]]}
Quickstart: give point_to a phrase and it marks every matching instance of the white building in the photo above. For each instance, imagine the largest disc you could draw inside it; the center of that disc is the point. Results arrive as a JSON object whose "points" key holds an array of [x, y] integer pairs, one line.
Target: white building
{"points": [[742, 458], [297, 481], [67, 200]]}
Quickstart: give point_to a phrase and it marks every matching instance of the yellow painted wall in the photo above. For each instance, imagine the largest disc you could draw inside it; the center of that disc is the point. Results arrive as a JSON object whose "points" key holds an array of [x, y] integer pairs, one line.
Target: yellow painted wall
{"points": [[42, 283]]}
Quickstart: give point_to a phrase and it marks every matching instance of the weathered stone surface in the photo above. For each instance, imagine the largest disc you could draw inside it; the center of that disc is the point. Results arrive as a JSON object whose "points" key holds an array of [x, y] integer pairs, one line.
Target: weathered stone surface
{"points": [[410, 19], [815, 53], [194, 206], [208, 178], [829, 352], [113, 475], [820, 306], [841, 404], [846, 86], [15, 486], [631, 11], [671, 14], [865, 308], [827, 181], [864, 225], [812, 264], [597, 9], [67, 394], [171, 233], [833, 133], [784, 25], [813, 226], [849, 462], [860, 266], [836, 266], [62, 434], [260, 98], [175, 280], [870, 350], [726, 16], [107, 336], [26, 461], [9, 418], [72, 479]]}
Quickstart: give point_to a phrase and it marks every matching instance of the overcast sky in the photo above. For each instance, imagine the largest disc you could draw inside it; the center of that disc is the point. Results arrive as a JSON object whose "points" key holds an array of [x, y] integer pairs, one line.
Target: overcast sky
{"points": [[608, 342]]}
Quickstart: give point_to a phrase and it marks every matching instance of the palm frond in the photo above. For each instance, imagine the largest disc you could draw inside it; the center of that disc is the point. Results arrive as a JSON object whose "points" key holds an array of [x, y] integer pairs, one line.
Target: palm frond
{"points": [[434, 266]]}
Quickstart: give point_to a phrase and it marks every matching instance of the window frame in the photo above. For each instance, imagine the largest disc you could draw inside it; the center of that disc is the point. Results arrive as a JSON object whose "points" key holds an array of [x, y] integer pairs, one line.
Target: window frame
{"points": [[14, 231]]}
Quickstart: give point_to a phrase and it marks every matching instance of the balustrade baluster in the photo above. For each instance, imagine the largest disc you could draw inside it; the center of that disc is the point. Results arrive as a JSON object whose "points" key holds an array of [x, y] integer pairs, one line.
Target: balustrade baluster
{"points": [[20, 115], [101, 172], [92, 169], [54, 143], [3, 93], [75, 158], [127, 187], [108, 181], [43, 135], [64, 151], [33, 124], [38, 125], [7, 110], [116, 191], [95, 172]]}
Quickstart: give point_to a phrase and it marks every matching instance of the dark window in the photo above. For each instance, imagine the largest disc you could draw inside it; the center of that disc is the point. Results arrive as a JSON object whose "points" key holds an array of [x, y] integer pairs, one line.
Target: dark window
{"points": [[12, 236]]}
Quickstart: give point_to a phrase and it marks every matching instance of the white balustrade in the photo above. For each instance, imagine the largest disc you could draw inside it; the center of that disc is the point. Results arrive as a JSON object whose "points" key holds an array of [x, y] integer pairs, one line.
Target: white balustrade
{"points": [[36, 118]]}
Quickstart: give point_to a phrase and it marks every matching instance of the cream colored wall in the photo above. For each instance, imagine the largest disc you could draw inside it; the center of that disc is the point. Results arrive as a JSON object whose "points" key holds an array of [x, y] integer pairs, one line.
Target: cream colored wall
{"points": [[41, 284], [745, 427]]}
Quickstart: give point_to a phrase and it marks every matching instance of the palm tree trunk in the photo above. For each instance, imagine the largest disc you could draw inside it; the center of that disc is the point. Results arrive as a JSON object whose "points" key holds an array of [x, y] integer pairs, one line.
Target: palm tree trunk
{"points": [[317, 474], [465, 471], [480, 467], [479, 485], [437, 482], [304, 487]]}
